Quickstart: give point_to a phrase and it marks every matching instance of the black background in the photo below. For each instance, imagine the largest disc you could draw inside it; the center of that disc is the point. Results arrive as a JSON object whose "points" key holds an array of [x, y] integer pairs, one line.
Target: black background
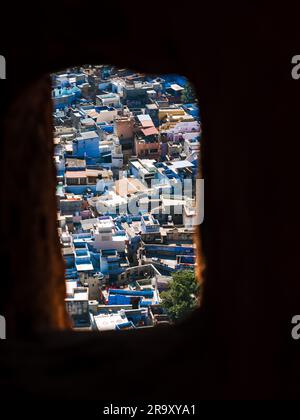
{"points": [[239, 58]]}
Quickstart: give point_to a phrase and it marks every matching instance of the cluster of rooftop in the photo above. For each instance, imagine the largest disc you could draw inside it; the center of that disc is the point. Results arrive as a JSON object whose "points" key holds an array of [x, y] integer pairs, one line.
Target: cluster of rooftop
{"points": [[127, 151]]}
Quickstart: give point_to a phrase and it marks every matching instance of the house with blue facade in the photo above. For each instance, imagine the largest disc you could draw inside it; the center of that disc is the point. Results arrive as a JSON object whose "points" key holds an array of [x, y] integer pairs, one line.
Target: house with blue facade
{"points": [[168, 258], [192, 109], [86, 145], [83, 261], [63, 98], [138, 298], [111, 264], [66, 92]]}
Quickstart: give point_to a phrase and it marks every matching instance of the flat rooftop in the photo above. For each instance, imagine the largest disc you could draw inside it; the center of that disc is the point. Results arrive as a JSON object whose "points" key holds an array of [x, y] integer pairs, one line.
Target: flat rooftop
{"points": [[75, 163], [87, 135], [108, 322], [126, 186]]}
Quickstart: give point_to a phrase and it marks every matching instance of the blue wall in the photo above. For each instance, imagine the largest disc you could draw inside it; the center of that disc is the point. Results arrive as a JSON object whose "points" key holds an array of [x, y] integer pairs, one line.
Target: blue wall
{"points": [[86, 147]]}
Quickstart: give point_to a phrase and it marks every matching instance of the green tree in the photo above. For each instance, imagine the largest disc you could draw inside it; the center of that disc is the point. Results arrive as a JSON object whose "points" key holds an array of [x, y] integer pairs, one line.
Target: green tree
{"points": [[181, 298], [188, 94]]}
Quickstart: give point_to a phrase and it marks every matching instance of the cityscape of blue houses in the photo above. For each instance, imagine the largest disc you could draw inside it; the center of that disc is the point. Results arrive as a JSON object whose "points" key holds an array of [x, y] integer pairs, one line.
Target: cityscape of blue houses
{"points": [[127, 149]]}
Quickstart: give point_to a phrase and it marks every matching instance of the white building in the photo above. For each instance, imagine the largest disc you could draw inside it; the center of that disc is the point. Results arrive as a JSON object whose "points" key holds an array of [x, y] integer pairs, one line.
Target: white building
{"points": [[107, 114], [191, 144], [108, 321], [104, 234], [108, 99]]}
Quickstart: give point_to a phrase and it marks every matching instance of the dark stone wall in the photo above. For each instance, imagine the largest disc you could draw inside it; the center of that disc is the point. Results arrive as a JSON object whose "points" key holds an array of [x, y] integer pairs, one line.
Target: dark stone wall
{"points": [[239, 58], [33, 291]]}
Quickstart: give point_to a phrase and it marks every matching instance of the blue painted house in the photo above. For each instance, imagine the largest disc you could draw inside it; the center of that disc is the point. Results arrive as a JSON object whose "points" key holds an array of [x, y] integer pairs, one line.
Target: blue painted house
{"points": [[86, 145]]}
